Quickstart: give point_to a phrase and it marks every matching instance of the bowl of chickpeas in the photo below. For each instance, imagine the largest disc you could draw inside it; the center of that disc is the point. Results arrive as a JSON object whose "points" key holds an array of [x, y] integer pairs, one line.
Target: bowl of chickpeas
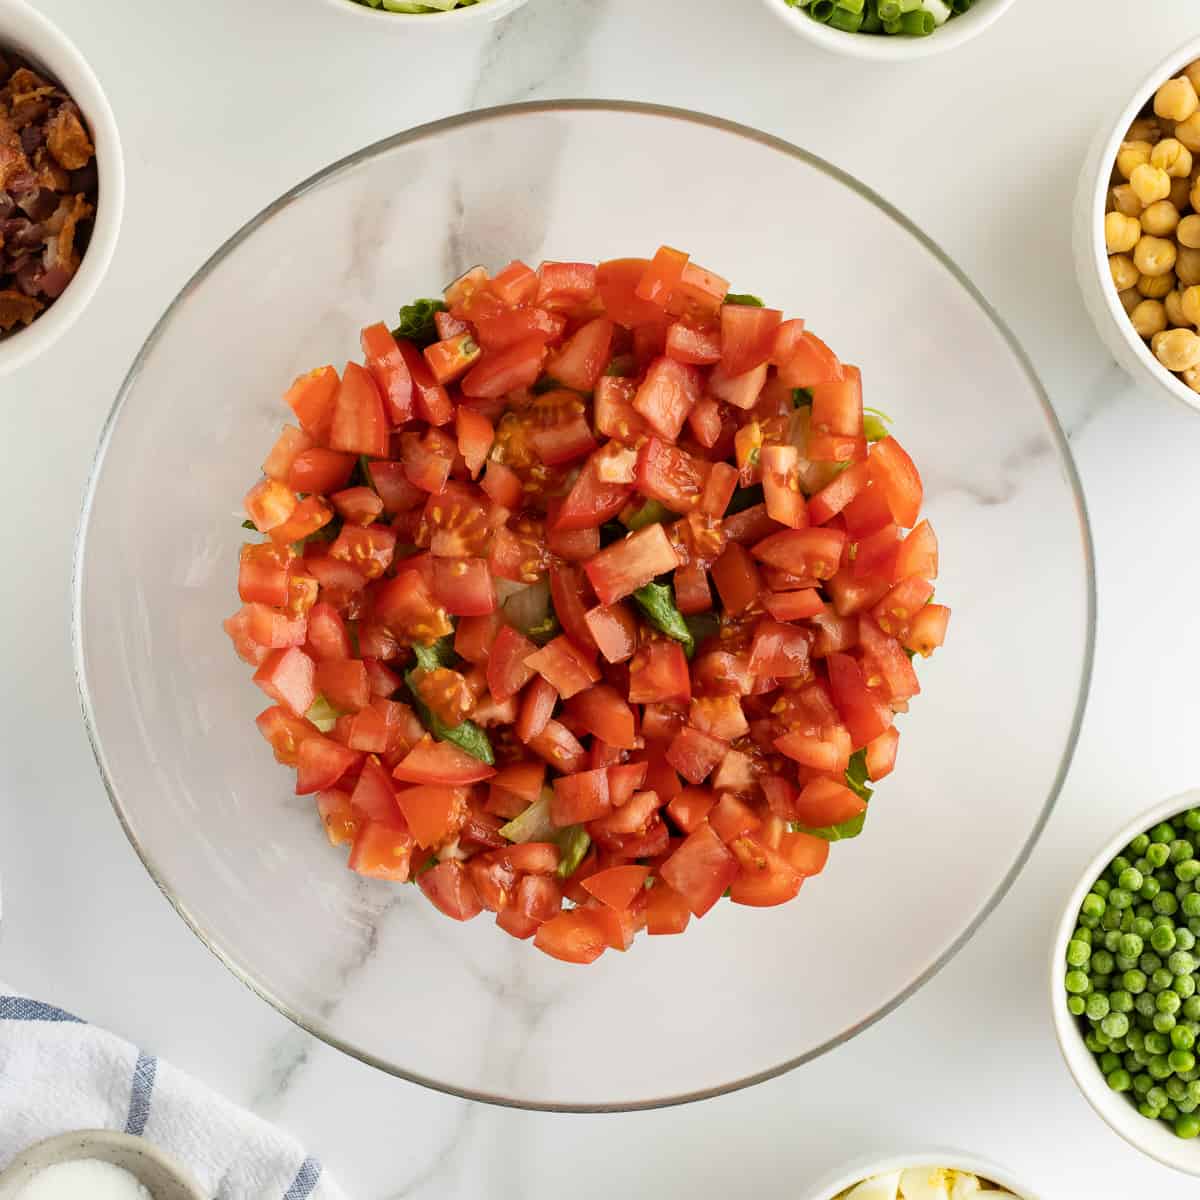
{"points": [[1137, 229]]}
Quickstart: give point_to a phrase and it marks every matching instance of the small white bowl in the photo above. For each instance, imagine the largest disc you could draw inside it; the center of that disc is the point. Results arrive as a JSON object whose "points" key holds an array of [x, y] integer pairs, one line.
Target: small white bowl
{"points": [[1150, 1137], [455, 19], [1091, 256], [26, 32], [156, 1170], [882, 48], [847, 1177]]}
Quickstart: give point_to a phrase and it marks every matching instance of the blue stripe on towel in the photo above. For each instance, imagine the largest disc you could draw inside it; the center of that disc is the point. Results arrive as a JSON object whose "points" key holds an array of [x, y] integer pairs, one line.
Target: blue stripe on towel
{"points": [[305, 1181], [140, 1094], [17, 1008]]}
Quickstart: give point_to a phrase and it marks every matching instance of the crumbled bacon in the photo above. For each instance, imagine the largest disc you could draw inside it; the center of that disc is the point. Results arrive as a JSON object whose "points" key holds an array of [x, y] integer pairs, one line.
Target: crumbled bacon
{"points": [[48, 189]]}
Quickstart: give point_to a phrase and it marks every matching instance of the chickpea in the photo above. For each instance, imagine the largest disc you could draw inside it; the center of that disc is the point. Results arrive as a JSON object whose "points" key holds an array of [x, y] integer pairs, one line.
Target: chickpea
{"points": [[1132, 155], [1144, 129], [1130, 299], [1121, 233], [1154, 256], [1166, 128], [1187, 266], [1176, 349], [1181, 192], [1124, 273], [1161, 219], [1194, 195], [1123, 199], [1188, 132], [1156, 287], [1192, 378], [1192, 71], [1190, 303], [1150, 183], [1173, 305], [1172, 156], [1149, 318], [1188, 232], [1176, 99]]}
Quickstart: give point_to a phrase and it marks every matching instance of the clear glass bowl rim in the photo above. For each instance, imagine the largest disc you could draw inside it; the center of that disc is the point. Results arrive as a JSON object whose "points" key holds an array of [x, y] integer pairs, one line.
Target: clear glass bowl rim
{"points": [[431, 130]]}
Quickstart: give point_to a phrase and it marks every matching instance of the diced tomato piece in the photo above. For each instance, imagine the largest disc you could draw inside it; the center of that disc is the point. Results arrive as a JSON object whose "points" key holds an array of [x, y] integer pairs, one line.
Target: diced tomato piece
{"points": [[666, 395], [747, 336], [823, 802], [343, 682], [564, 666], [807, 853], [617, 887], [696, 346], [565, 286], [581, 797], [803, 360], [502, 484], [623, 780], [793, 606], [369, 550], [695, 755], [742, 391], [360, 425], [311, 398], [537, 706], [291, 441], [507, 670], [449, 889], [875, 555], [701, 869], [614, 413], [719, 487], [837, 407], [737, 773], [433, 814], [469, 288], [358, 505], [720, 716], [690, 808], [431, 402], [404, 606], [813, 553], [738, 581], [667, 911], [698, 294], [285, 732], [827, 751], [475, 637], [731, 818], [893, 472], [451, 359], [781, 486], [851, 595], [670, 475], [625, 566], [475, 438], [427, 460], [516, 923], [448, 325], [368, 731], [238, 628], [321, 762], [659, 673], [593, 500], [327, 634], [868, 512], [901, 604], [602, 712], [864, 714], [614, 630], [692, 594], [918, 554], [835, 633], [463, 586], [390, 372], [523, 780], [616, 283], [318, 470], [381, 852], [559, 747], [569, 438], [341, 819], [765, 878], [374, 794], [926, 630], [516, 284], [780, 651], [838, 493], [269, 504], [661, 276], [881, 754], [263, 570], [581, 360], [441, 762], [750, 525], [885, 662], [574, 936], [287, 677]]}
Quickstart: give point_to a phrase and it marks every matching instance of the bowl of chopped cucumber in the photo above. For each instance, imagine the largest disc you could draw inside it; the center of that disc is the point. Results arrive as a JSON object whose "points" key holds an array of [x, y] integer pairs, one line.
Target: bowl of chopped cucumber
{"points": [[890, 30], [437, 15]]}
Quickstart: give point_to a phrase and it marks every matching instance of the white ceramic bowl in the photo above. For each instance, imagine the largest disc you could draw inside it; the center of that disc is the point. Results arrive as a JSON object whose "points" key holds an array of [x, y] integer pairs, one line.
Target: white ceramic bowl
{"points": [[847, 1177], [953, 33], [28, 33], [156, 1170], [1151, 1137], [471, 17], [1091, 257]]}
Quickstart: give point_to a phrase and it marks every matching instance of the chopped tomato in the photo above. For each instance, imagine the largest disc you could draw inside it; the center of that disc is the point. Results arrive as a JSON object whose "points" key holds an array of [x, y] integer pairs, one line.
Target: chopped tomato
{"points": [[537, 706], [360, 425], [613, 628], [431, 403], [564, 666], [667, 911], [738, 582], [441, 762], [287, 676], [602, 711], [404, 606], [698, 294], [893, 472], [269, 504], [881, 754], [341, 819], [507, 670], [616, 283], [811, 553], [918, 554], [569, 595], [901, 604], [343, 682], [661, 276], [321, 762], [559, 747], [450, 359], [449, 889], [780, 651], [666, 396], [747, 336], [320, 471], [582, 358], [865, 715], [290, 442], [575, 936], [690, 807], [695, 755], [623, 780], [311, 398], [581, 797], [765, 878], [803, 360], [670, 475], [566, 286], [615, 415], [381, 852], [625, 566], [926, 630], [659, 673], [464, 586], [390, 372], [781, 486], [433, 814], [823, 802], [263, 570], [592, 499], [285, 732], [617, 887], [475, 438], [700, 869]]}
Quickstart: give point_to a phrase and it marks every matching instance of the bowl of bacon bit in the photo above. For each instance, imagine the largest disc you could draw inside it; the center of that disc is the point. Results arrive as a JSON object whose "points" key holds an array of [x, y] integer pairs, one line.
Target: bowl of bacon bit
{"points": [[61, 183]]}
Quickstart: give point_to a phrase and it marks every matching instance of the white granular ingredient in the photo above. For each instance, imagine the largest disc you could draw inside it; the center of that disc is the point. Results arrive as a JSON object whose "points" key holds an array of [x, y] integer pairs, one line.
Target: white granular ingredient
{"points": [[84, 1179]]}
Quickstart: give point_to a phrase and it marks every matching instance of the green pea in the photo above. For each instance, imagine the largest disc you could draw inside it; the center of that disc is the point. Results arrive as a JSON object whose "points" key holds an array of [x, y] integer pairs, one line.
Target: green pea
{"points": [[1182, 962], [1183, 1037], [1186, 1106], [1142, 1083], [1102, 962], [1191, 905], [1118, 865], [1163, 834], [1191, 819], [1194, 1089], [1130, 945], [1150, 962], [1142, 926], [1101, 888], [1150, 888], [1149, 1111], [1098, 1007], [1133, 981], [1169, 1111], [1185, 939], [1112, 918], [1164, 1022], [1168, 1002], [1187, 871], [1120, 1080], [1130, 879], [1145, 1004], [1078, 953], [1139, 845], [1136, 1039], [1182, 850], [1157, 1043], [1092, 1041], [1176, 1088], [1076, 1005], [1116, 1025], [1120, 1001], [1157, 1097], [1184, 986], [1143, 909], [1162, 939], [1191, 1008], [1112, 938], [1187, 1126], [1165, 903], [1089, 922], [1181, 1060], [1119, 899], [1109, 1062], [1157, 855], [1121, 962], [1161, 980]]}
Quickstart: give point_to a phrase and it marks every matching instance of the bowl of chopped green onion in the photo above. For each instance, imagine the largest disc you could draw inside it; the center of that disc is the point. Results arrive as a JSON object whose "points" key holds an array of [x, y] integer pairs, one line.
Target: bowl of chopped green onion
{"points": [[438, 15], [1125, 983], [888, 29]]}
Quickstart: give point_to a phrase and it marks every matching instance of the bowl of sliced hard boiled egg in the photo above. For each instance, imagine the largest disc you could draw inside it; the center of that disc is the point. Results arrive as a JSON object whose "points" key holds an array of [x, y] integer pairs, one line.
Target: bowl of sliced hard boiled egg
{"points": [[940, 1175]]}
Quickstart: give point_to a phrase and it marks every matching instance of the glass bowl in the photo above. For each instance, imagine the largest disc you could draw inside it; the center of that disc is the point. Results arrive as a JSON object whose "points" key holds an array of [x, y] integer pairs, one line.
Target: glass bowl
{"points": [[372, 968]]}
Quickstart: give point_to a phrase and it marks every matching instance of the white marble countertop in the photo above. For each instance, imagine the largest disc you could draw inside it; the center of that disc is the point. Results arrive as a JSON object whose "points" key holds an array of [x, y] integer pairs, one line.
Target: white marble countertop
{"points": [[223, 105]]}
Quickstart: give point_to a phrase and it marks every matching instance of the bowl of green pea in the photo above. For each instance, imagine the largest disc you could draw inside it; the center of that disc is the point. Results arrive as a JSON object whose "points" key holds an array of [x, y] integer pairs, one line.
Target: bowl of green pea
{"points": [[1125, 983]]}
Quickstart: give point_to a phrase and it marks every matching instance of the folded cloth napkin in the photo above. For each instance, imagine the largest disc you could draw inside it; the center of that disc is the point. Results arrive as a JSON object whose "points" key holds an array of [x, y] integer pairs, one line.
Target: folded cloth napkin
{"points": [[58, 1074]]}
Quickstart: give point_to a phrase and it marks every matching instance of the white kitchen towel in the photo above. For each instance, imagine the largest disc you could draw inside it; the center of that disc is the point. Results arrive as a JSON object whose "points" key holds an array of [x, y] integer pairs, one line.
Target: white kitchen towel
{"points": [[58, 1074]]}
